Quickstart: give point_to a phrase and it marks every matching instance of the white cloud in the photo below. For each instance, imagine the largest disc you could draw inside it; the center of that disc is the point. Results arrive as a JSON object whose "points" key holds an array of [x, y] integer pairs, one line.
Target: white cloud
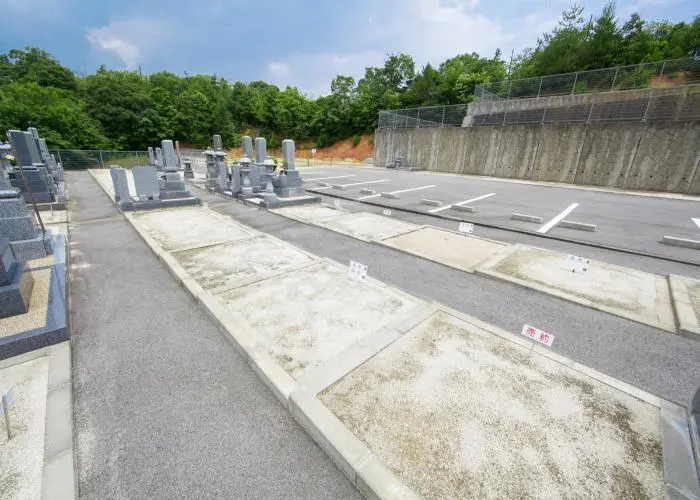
{"points": [[132, 40], [279, 69]]}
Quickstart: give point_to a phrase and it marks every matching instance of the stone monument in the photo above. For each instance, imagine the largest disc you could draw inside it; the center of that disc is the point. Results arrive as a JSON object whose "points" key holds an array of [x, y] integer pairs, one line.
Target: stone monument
{"points": [[32, 177], [245, 165], [151, 156], [289, 182], [16, 224], [267, 166], [188, 172], [15, 285], [174, 184]]}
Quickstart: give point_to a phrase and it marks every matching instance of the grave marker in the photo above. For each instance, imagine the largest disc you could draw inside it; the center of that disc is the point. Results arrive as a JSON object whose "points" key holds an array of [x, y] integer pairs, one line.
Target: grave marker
{"points": [[357, 271]]}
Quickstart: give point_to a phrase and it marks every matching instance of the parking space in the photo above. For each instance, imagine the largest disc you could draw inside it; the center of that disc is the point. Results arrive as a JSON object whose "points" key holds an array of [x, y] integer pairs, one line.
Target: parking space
{"points": [[628, 221]]}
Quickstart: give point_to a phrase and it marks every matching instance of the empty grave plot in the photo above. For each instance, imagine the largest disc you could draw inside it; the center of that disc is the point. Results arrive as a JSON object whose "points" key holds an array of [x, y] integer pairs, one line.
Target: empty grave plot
{"points": [[632, 294], [458, 412], [452, 249], [220, 267], [190, 227], [308, 213], [366, 226], [309, 315], [686, 300], [22, 457]]}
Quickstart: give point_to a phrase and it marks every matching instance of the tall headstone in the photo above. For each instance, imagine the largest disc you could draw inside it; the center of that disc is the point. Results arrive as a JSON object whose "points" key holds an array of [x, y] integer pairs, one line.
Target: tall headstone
{"points": [[151, 156], [267, 168], [121, 185], [146, 183], [289, 183], [218, 145], [174, 184], [15, 285], [245, 164], [32, 175], [159, 158]]}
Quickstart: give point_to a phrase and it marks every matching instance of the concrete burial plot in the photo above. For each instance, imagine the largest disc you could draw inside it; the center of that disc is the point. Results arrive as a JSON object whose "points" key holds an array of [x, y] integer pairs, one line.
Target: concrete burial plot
{"points": [[184, 228], [22, 457], [221, 267], [446, 247], [685, 293], [632, 294], [365, 226], [458, 412], [305, 317], [308, 213]]}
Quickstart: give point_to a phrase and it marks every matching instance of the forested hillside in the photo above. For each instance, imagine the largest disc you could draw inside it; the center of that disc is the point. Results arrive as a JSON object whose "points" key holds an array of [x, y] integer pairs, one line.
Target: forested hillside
{"points": [[126, 110]]}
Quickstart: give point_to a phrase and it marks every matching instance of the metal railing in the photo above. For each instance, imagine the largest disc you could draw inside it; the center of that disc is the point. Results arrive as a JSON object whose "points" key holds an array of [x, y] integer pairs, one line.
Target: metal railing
{"points": [[76, 159], [661, 74], [432, 116]]}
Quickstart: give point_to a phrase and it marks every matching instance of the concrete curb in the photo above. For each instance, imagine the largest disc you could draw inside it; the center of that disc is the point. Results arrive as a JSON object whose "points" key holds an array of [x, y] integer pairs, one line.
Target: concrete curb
{"points": [[681, 242], [367, 191], [581, 226], [683, 306], [527, 218], [390, 195], [485, 269], [434, 203], [463, 208]]}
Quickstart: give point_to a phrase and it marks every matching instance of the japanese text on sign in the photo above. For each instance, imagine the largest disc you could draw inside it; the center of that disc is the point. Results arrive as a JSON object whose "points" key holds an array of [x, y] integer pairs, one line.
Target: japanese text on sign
{"points": [[387, 212], [538, 335], [357, 271], [466, 228]]}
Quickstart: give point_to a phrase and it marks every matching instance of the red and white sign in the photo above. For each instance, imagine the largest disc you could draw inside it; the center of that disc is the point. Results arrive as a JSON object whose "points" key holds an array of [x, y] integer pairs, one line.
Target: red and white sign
{"points": [[538, 335]]}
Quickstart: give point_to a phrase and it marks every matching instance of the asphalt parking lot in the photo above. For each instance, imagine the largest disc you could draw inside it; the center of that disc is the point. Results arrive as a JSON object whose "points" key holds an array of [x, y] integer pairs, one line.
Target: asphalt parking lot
{"points": [[624, 220]]}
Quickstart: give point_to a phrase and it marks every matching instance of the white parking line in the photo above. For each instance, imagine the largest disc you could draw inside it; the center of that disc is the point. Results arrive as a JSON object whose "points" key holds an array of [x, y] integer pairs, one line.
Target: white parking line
{"points": [[315, 172], [549, 225], [396, 192], [435, 210], [365, 182], [697, 221], [328, 178]]}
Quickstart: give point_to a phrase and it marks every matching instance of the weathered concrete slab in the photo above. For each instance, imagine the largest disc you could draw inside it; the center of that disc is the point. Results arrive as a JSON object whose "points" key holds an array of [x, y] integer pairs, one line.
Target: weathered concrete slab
{"points": [[458, 412], [685, 293], [190, 227], [36, 315], [448, 248], [365, 226], [22, 463], [220, 267], [307, 213], [558, 153], [632, 294], [307, 316]]}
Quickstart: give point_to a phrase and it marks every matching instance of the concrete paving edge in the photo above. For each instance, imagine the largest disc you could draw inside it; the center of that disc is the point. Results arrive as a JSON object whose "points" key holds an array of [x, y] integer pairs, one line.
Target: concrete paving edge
{"points": [[683, 307], [366, 472]]}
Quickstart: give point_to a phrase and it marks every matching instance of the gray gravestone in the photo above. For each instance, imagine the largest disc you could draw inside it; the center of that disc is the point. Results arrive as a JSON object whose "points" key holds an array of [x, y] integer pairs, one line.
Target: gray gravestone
{"points": [[15, 285], [121, 184], [34, 176], [218, 146], [151, 156], [146, 182], [247, 144], [235, 186], [159, 158], [245, 166], [289, 183], [19, 142], [169, 157]]}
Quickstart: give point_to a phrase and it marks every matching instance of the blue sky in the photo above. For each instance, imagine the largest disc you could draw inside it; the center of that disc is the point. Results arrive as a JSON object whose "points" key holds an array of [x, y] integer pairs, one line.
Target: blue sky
{"points": [[295, 42]]}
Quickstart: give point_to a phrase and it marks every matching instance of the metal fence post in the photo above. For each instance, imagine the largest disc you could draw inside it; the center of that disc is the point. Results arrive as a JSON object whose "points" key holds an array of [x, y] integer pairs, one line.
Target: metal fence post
{"points": [[661, 73], [615, 79], [539, 89], [573, 89], [418, 119], [442, 123], [137, 157], [510, 86], [101, 160]]}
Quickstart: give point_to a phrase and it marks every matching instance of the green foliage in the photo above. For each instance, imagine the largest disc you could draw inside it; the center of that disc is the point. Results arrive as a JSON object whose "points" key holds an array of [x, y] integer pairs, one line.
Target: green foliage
{"points": [[125, 110]]}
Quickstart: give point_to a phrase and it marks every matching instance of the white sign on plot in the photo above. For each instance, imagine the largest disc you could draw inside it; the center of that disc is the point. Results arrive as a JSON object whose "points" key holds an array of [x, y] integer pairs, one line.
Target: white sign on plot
{"points": [[577, 263], [357, 271], [466, 228], [336, 204], [313, 151], [387, 212], [538, 335]]}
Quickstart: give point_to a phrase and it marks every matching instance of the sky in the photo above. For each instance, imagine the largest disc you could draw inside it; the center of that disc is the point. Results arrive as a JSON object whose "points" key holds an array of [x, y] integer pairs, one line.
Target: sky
{"points": [[304, 43]]}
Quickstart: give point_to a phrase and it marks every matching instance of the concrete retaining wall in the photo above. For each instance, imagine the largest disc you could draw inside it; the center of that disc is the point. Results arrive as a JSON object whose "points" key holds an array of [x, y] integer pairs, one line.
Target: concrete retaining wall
{"points": [[660, 156]]}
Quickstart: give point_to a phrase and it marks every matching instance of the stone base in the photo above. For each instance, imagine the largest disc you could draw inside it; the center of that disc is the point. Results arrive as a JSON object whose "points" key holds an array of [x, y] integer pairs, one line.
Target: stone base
{"points": [[18, 228], [40, 197], [155, 204], [35, 248], [171, 195], [12, 207], [56, 205], [290, 192], [14, 298], [188, 175], [54, 327]]}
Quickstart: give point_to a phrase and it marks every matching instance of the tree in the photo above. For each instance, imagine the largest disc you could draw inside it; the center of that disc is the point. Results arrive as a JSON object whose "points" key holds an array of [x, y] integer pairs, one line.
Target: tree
{"points": [[36, 66]]}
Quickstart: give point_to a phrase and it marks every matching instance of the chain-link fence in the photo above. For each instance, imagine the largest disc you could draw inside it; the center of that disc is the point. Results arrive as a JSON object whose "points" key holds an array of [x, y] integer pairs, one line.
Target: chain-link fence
{"points": [[659, 74], [433, 116], [75, 159]]}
